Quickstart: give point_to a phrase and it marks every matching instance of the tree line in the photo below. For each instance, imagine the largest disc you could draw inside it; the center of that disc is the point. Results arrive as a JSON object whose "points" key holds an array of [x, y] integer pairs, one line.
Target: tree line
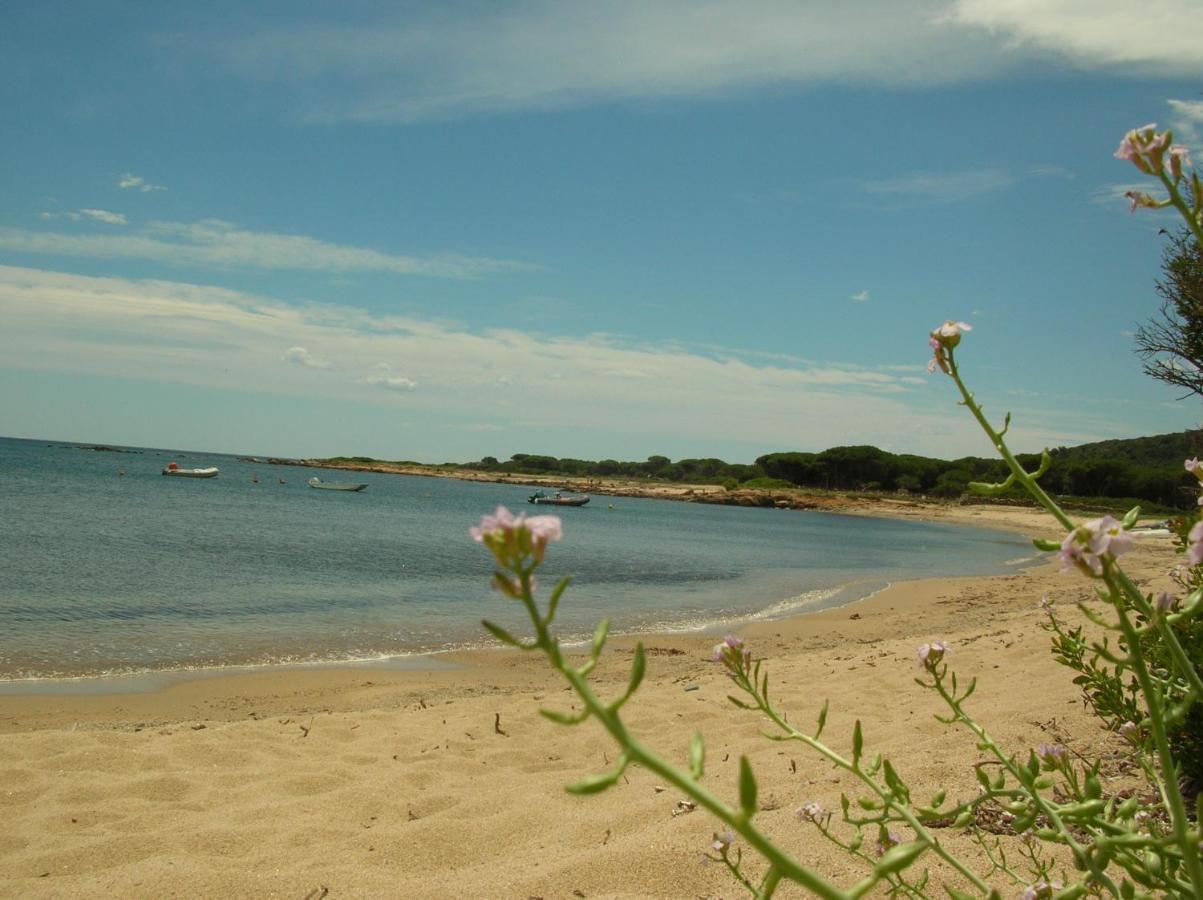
{"points": [[1147, 469]]}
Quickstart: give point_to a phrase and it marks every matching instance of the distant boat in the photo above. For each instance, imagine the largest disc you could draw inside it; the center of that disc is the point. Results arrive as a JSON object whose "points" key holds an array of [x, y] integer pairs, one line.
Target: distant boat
{"points": [[542, 498], [173, 468], [336, 485]]}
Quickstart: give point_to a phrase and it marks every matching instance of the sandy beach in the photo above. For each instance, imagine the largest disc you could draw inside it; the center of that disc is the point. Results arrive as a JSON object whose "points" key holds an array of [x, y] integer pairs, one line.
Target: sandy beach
{"points": [[377, 782]]}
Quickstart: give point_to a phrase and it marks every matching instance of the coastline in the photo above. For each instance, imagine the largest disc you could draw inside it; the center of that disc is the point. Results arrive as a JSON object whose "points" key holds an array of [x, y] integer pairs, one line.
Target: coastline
{"points": [[446, 782]]}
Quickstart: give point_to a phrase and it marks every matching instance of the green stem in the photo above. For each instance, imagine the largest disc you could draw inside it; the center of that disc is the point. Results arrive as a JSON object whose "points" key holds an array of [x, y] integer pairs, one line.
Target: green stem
{"points": [[902, 810], [779, 861], [1181, 205], [1021, 474], [1022, 776], [1170, 794]]}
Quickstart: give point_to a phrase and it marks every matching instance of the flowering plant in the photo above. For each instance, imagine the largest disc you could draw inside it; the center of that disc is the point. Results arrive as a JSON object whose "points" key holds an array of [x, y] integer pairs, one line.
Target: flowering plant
{"points": [[1142, 678]]}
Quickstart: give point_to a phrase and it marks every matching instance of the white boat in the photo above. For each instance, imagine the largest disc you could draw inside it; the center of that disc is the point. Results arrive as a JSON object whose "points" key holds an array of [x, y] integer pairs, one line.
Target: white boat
{"points": [[336, 485], [542, 498], [174, 469]]}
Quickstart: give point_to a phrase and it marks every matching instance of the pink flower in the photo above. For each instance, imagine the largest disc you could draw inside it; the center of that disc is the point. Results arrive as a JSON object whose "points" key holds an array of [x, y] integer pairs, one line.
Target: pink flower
{"points": [[1140, 200], [1052, 755], [1074, 554], [811, 812], [1194, 552], [1193, 465], [1108, 538], [942, 340], [931, 654], [512, 538], [1179, 157], [1165, 602], [501, 521], [885, 841], [1130, 731], [1144, 148], [1041, 890], [723, 841], [1092, 542]]}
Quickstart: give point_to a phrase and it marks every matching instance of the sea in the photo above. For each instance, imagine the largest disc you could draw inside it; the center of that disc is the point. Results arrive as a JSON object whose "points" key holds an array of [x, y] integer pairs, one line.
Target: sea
{"points": [[108, 569]]}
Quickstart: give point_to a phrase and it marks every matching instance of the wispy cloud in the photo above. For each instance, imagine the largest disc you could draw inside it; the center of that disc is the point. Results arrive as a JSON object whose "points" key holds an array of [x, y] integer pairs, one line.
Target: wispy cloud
{"points": [[300, 356], [81, 215], [179, 332], [212, 242], [1155, 37], [860, 296], [942, 187], [130, 182], [1187, 122], [389, 382], [554, 54], [452, 61]]}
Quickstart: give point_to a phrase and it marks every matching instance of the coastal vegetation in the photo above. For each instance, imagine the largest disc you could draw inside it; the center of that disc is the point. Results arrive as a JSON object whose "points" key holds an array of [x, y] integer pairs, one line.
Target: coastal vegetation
{"points": [[1146, 470]]}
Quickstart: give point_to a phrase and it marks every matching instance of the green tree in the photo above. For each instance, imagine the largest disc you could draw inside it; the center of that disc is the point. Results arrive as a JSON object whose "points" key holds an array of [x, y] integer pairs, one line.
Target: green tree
{"points": [[1171, 342]]}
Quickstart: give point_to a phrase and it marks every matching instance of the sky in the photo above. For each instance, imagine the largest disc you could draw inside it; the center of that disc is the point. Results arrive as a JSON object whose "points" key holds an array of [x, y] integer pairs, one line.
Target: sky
{"points": [[437, 232]]}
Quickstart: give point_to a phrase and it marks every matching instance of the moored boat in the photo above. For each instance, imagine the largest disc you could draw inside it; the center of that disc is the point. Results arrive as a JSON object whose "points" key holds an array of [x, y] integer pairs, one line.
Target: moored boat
{"points": [[316, 482], [542, 498], [173, 468]]}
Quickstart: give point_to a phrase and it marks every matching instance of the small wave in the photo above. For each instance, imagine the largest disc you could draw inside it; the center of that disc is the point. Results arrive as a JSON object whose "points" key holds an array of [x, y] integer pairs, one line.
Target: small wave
{"points": [[799, 602], [1024, 560]]}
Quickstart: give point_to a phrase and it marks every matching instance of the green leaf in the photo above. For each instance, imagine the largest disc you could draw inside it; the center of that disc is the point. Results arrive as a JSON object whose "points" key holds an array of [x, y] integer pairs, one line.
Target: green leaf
{"points": [[822, 719], [595, 784], [553, 601], [697, 756], [747, 788], [898, 858], [502, 635], [638, 669], [1042, 544], [858, 742], [599, 637], [565, 718], [938, 799]]}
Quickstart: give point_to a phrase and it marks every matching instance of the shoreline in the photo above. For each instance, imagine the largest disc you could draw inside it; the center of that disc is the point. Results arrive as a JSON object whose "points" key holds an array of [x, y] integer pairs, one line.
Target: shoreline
{"points": [[378, 782], [124, 682]]}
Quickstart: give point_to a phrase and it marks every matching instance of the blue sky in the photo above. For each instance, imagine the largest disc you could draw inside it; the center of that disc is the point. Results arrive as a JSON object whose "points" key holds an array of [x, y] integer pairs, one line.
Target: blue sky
{"points": [[443, 231]]}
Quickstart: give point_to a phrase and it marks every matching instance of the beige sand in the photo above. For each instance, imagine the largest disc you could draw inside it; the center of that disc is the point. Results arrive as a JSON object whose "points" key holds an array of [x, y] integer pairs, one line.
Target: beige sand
{"points": [[383, 783]]}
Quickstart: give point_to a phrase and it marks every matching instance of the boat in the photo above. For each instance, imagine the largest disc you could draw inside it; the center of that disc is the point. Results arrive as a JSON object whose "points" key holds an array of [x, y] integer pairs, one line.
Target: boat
{"points": [[336, 485], [542, 498], [173, 468]]}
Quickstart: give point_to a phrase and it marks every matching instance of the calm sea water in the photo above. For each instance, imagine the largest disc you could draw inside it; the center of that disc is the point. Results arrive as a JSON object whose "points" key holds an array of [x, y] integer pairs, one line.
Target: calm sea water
{"points": [[104, 573]]}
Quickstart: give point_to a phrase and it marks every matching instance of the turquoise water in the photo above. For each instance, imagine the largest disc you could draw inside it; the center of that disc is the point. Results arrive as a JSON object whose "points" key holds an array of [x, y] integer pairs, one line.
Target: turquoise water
{"points": [[107, 573]]}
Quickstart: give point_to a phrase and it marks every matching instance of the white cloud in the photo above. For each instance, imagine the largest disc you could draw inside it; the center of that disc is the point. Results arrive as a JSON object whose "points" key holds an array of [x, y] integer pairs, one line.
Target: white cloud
{"points": [[1187, 122], [528, 383], [453, 61], [212, 242], [390, 382], [94, 215], [129, 182], [1154, 37], [301, 357], [860, 296], [945, 187]]}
